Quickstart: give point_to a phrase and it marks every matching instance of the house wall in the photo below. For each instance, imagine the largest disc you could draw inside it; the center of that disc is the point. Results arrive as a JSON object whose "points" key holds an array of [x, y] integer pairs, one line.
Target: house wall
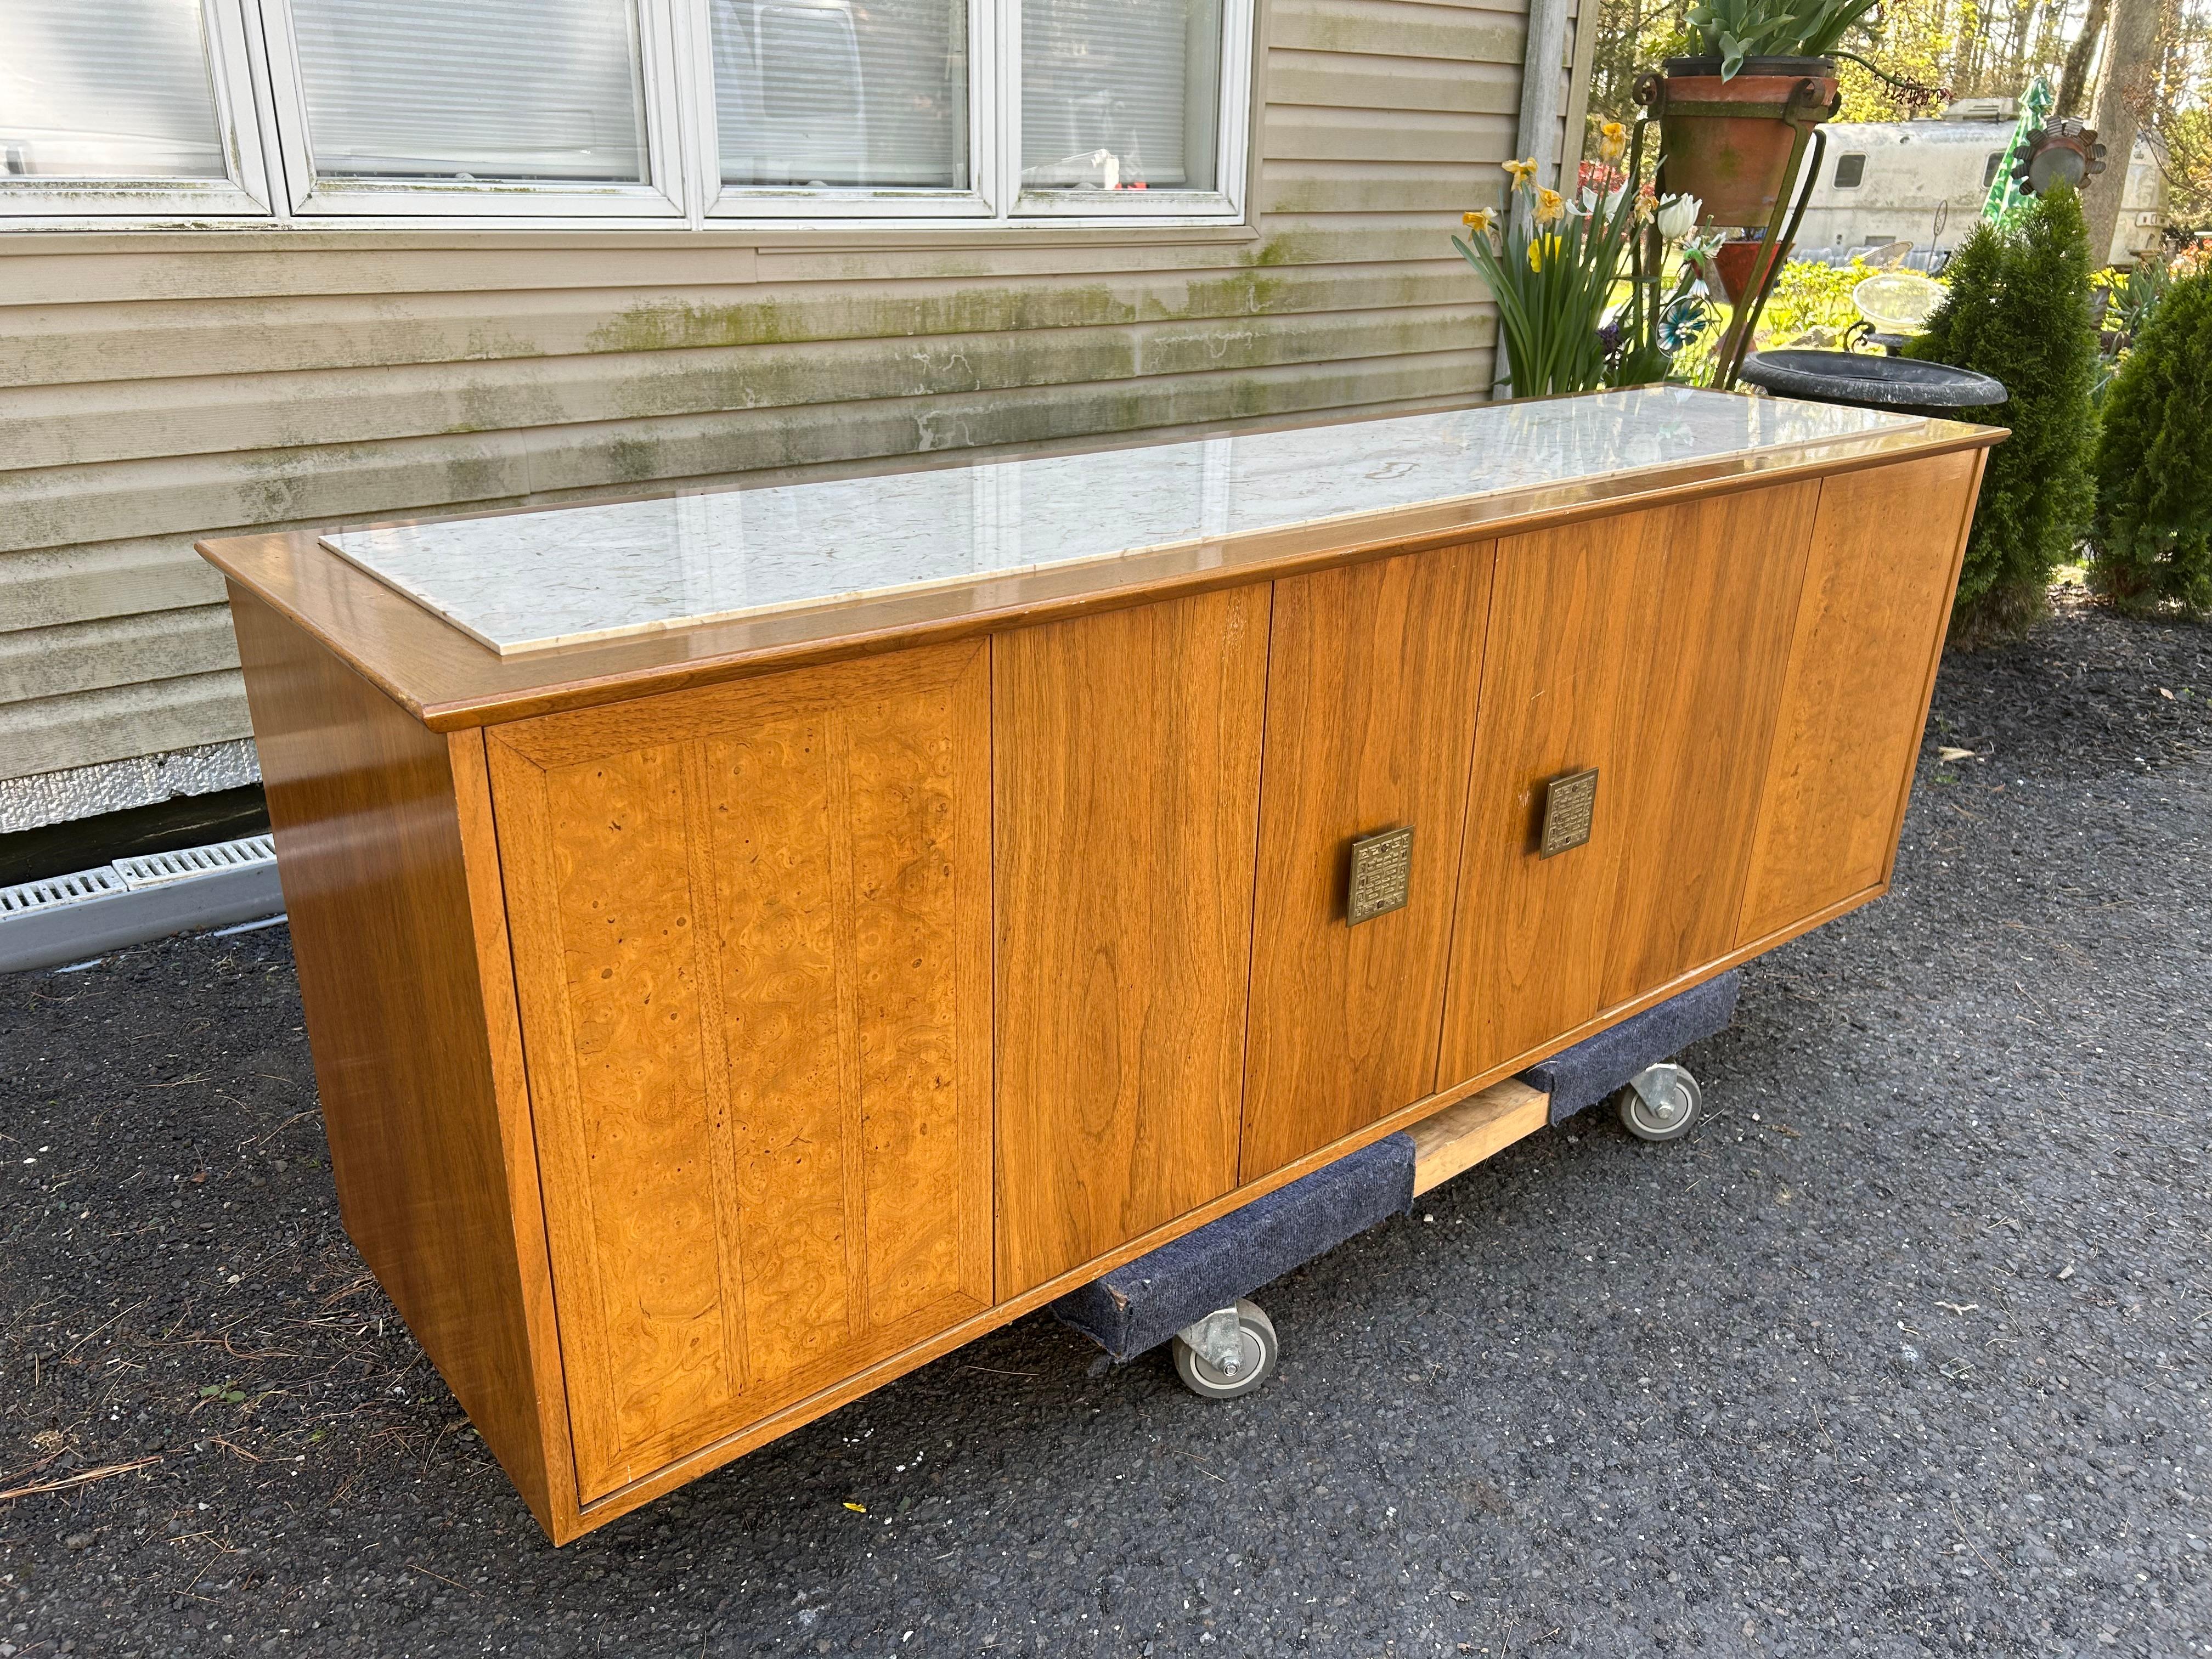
{"points": [[160, 387]]}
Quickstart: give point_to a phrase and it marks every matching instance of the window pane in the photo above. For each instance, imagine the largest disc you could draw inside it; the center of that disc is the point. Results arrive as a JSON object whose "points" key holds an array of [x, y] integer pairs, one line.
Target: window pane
{"points": [[116, 90], [843, 93], [1120, 94], [494, 89]]}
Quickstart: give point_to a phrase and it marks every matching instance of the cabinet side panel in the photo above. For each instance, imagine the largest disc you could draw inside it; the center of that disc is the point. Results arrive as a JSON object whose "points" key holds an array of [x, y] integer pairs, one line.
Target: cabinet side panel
{"points": [[1126, 777], [1877, 592], [1371, 679], [1703, 691], [371, 855], [1570, 612]]}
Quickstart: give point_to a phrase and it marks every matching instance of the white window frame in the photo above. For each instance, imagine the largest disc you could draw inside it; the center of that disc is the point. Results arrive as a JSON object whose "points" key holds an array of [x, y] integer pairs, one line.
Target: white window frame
{"points": [[660, 196], [722, 202], [1232, 110], [261, 108], [244, 192]]}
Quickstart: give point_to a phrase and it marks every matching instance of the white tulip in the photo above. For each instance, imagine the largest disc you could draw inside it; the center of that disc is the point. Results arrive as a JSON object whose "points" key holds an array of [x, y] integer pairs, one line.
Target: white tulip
{"points": [[1678, 216]]}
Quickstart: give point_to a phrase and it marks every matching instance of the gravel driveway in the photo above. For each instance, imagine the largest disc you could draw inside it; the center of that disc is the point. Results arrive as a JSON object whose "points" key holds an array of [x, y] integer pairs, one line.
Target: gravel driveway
{"points": [[1904, 1351]]}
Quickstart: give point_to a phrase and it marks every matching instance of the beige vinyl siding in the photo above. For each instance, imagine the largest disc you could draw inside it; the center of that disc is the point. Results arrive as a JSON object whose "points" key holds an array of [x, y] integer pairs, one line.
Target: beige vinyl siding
{"points": [[161, 386]]}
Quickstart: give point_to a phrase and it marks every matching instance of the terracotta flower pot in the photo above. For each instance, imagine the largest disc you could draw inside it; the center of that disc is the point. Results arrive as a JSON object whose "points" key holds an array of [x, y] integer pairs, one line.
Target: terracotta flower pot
{"points": [[1737, 165], [1735, 262]]}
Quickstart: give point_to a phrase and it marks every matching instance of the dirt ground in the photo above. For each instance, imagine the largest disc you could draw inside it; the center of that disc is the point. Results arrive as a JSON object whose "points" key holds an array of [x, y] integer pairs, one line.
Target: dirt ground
{"points": [[1903, 1352]]}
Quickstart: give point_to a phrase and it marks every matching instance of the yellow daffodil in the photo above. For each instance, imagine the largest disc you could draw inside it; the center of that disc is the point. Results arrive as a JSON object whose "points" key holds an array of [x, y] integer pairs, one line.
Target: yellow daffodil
{"points": [[1479, 220], [1550, 205], [1542, 248], [1520, 172], [1611, 141], [1647, 204]]}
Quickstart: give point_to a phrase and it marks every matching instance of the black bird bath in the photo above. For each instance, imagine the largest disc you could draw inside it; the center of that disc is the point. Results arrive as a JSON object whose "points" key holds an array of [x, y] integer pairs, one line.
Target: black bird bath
{"points": [[1903, 384]]}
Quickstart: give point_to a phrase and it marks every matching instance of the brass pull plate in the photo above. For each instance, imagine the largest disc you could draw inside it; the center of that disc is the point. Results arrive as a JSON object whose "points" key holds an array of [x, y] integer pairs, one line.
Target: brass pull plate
{"points": [[1570, 805], [1381, 874]]}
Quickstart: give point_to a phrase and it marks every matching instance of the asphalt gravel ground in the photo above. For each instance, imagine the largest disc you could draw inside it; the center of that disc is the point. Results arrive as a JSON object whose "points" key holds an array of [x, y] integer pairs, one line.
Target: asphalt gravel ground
{"points": [[1903, 1352]]}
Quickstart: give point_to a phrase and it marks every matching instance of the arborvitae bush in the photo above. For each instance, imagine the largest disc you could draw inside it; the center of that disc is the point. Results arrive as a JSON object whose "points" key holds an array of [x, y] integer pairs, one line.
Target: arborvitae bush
{"points": [[2019, 312], [2153, 535]]}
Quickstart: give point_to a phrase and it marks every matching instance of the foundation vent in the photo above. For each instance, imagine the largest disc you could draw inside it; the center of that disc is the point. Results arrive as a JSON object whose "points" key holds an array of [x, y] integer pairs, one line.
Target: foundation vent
{"points": [[153, 869], [55, 891]]}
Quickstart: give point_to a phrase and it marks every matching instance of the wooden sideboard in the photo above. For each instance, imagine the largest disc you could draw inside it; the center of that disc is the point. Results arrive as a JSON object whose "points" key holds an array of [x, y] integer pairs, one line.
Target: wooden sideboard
{"points": [[715, 1024]]}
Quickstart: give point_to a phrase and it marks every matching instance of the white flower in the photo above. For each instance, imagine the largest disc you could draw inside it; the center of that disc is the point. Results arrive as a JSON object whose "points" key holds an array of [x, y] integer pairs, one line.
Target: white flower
{"points": [[1678, 216]]}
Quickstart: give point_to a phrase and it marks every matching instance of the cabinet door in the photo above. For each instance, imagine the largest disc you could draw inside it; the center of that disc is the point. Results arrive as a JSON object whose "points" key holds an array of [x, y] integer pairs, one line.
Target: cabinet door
{"points": [[1702, 688], [1571, 610], [1371, 680], [1869, 628], [751, 927], [1127, 781], [1649, 647]]}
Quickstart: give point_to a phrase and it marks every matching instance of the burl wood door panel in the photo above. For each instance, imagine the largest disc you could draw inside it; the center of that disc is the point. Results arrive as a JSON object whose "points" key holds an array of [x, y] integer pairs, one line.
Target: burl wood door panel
{"points": [[1870, 627], [1127, 781], [1571, 611], [1371, 681], [1702, 687], [752, 939]]}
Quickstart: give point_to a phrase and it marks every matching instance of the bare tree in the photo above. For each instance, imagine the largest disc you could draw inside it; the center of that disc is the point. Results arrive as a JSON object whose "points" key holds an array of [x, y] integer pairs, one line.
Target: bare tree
{"points": [[2127, 98]]}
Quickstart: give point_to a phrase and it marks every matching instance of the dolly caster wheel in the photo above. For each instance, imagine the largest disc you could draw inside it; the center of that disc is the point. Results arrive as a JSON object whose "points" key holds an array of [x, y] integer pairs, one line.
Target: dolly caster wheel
{"points": [[1660, 1103], [1227, 1354]]}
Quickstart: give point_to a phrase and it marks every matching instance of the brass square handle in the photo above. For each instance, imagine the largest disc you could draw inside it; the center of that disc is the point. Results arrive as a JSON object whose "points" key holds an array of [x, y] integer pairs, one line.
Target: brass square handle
{"points": [[1570, 807], [1381, 875]]}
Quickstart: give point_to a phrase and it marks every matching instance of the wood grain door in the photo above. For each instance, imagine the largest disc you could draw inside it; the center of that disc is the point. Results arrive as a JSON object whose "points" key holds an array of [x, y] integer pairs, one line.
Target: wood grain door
{"points": [[1869, 629], [1372, 673], [1570, 612], [1127, 780], [1703, 686], [1650, 646], [751, 928]]}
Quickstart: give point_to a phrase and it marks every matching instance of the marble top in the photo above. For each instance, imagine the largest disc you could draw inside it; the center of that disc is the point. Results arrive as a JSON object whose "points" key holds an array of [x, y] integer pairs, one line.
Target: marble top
{"points": [[525, 580]]}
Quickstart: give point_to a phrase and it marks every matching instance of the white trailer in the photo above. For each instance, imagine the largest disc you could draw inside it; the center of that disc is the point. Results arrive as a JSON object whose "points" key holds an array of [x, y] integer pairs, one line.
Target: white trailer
{"points": [[1923, 182]]}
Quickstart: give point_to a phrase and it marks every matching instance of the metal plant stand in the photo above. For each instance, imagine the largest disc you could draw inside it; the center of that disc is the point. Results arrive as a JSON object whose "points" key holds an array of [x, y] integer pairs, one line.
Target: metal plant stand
{"points": [[1804, 110]]}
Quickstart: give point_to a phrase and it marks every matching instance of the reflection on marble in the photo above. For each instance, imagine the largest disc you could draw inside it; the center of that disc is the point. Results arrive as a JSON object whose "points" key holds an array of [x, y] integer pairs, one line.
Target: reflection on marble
{"points": [[536, 578]]}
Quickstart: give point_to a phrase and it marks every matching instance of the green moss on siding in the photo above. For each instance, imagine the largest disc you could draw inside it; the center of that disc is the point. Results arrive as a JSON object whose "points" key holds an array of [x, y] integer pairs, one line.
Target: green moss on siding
{"points": [[677, 325]]}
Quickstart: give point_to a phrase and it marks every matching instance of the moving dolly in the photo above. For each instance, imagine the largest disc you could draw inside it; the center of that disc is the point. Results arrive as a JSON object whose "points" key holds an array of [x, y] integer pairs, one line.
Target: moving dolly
{"points": [[1194, 1293]]}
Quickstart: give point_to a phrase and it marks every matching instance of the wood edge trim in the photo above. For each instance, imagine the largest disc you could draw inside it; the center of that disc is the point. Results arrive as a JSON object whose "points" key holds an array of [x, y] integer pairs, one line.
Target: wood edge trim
{"points": [[236, 580], [470, 761], [1973, 495], [643, 1490], [491, 708]]}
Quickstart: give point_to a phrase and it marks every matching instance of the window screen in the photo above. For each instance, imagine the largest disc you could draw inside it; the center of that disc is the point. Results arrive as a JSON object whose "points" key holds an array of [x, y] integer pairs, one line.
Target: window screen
{"points": [[116, 90], [1990, 169], [1849, 169], [492, 89], [843, 93], [1117, 94]]}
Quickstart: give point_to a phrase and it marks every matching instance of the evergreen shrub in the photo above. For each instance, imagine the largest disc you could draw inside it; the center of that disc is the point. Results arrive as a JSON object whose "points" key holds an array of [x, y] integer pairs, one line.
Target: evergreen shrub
{"points": [[2019, 312], [2152, 540]]}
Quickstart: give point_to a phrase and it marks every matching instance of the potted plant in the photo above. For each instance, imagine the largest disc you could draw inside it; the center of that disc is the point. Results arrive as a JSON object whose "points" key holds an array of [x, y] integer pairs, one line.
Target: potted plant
{"points": [[1731, 115]]}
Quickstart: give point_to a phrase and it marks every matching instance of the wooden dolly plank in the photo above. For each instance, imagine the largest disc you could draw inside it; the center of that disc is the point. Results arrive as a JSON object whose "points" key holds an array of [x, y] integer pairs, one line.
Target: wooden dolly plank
{"points": [[1460, 1137]]}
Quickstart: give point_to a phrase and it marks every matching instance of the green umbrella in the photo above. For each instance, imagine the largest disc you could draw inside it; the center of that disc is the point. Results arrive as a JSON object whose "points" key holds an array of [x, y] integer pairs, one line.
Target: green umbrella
{"points": [[2005, 202]]}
